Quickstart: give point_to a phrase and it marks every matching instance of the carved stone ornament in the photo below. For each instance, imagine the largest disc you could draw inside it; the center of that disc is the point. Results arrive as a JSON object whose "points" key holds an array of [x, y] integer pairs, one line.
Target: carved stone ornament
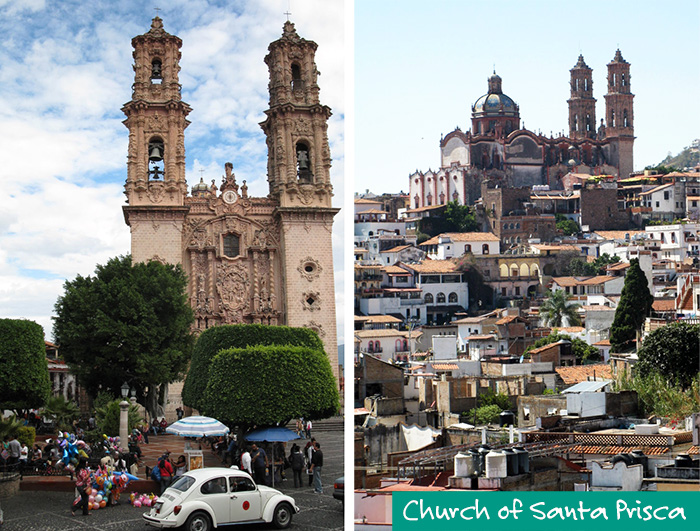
{"points": [[303, 127], [232, 286], [311, 301], [310, 268], [156, 258], [156, 192], [316, 327], [155, 123]]}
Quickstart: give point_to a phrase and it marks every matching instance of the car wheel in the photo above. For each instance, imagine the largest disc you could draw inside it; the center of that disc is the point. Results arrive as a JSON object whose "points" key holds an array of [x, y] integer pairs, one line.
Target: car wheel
{"points": [[198, 521], [282, 516]]}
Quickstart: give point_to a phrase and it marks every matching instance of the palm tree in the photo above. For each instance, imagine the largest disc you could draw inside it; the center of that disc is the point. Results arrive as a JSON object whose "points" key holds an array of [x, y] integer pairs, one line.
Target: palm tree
{"points": [[556, 309]]}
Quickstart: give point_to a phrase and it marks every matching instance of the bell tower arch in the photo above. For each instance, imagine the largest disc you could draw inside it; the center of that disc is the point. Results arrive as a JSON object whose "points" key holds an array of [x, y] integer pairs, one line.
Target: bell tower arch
{"points": [[156, 118]]}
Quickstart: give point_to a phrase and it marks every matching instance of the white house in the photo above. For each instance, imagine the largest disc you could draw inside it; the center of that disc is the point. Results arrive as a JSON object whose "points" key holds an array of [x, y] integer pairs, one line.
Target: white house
{"points": [[454, 244]]}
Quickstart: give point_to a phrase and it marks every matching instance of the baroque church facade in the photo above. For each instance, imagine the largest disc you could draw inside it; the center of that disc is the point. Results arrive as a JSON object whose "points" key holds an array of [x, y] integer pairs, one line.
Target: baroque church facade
{"points": [[497, 149], [248, 259]]}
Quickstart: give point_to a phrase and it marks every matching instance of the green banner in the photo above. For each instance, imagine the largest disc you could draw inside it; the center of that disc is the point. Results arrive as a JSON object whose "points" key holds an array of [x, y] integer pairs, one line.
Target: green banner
{"points": [[544, 511]]}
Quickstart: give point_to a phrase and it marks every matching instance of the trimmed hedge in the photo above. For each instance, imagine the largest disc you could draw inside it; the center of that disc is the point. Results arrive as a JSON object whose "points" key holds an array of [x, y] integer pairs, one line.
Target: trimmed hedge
{"points": [[218, 338], [24, 373], [266, 385]]}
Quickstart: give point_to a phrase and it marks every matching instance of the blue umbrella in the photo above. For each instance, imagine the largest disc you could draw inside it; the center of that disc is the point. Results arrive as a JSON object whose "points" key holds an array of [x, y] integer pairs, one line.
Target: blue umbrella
{"points": [[271, 435], [274, 434]]}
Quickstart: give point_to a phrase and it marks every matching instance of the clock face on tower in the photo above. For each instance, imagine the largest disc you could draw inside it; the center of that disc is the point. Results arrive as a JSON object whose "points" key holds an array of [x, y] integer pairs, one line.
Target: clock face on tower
{"points": [[230, 197]]}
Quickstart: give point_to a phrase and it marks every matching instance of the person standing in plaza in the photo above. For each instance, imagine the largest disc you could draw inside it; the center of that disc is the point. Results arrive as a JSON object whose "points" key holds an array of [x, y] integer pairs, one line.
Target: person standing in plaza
{"points": [[260, 464], [308, 429], [296, 460], [166, 471], [15, 449], [246, 461], [316, 466], [309, 450], [82, 480]]}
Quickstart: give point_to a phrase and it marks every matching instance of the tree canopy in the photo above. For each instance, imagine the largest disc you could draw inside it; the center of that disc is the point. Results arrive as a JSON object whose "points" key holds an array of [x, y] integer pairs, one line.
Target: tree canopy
{"points": [[24, 373], [582, 350], [673, 351], [635, 304], [129, 323], [218, 338], [580, 267], [457, 218], [265, 385], [566, 225], [556, 309]]}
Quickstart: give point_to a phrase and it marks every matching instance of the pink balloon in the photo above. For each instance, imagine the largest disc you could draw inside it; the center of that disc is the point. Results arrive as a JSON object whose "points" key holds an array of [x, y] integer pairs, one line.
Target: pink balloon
{"points": [[91, 498], [95, 506], [137, 503]]}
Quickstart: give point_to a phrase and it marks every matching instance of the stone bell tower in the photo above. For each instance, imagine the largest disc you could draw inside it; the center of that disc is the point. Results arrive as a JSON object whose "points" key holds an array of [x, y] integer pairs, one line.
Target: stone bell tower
{"points": [[156, 118], [582, 122], [298, 172]]}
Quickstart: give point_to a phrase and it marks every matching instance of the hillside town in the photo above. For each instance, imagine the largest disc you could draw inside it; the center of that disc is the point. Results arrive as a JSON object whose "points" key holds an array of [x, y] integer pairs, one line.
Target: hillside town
{"points": [[514, 307]]}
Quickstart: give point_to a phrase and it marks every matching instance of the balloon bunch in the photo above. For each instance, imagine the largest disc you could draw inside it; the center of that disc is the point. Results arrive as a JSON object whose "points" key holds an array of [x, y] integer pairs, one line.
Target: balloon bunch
{"points": [[73, 449], [143, 500], [107, 484]]}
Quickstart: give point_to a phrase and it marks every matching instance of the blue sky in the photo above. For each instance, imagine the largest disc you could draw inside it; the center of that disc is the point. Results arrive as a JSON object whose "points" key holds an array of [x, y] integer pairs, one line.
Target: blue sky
{"points": [[419, 66], [66, 71]]}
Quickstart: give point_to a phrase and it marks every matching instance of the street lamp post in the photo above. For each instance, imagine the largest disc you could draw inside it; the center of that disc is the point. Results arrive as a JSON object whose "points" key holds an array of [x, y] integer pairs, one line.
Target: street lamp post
{"points": [[124, 417]]}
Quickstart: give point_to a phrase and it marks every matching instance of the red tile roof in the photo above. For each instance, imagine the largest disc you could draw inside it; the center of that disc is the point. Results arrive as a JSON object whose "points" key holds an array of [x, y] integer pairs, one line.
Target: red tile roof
{"points": [[581, 373]]}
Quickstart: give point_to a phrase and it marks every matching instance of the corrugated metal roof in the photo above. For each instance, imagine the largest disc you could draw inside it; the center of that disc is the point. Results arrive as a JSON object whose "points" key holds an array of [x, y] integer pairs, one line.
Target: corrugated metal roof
{"points": [[587, 387]]}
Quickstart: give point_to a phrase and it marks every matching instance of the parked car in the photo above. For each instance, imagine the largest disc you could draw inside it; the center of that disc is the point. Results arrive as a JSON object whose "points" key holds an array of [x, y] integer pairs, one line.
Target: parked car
{"points": [[339, 489], [206, 498]]}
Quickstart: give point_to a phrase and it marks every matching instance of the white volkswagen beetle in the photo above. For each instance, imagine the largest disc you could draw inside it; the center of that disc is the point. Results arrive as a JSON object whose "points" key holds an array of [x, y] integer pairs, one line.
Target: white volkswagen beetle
{"points": [[206, 498]]}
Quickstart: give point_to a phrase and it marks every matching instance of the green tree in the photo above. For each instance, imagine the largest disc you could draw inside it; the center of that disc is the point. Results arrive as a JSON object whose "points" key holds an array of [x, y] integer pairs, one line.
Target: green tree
{"points": [[635, 304], [568, 226], [580, 267], [218, 338], [484, 415], [108, 419], [579, 348], [129, 323], [24, 373], [268, 385], [62, 411], [556, 309], [456, 218], [673, 351], [657, 396]]}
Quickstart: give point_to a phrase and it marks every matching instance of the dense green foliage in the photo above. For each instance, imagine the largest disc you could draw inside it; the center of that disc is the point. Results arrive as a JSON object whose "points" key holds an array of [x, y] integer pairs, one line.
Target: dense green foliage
{"points": [[108, 419], [580, 267], [635, 304], [26, 435], [457, 218], [62, 411], [582, 350], [218, 338], [128, 323], [483, 415], [566, 225], [664, 168], [556, 309], [656, 396], [490, 398], [673, 351], [267, 385], [24, 373], [688, 158]]}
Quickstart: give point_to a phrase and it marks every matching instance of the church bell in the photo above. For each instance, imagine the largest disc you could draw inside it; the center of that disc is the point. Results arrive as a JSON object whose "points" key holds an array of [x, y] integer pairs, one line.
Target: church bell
{"points": [[156, 153]]}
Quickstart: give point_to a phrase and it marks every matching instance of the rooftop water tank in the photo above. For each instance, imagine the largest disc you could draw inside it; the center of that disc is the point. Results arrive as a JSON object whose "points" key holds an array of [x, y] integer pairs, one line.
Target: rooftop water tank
{"points": [[496, 466]]}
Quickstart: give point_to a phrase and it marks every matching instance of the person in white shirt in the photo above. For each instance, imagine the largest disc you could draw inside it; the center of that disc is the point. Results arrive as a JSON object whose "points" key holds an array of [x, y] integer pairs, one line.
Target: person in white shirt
{"points": [[246, 463]]}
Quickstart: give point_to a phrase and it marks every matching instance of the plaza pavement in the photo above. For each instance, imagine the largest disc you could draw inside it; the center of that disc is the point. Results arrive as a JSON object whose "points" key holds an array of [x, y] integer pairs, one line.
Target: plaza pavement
{"points": [[47, 510]]}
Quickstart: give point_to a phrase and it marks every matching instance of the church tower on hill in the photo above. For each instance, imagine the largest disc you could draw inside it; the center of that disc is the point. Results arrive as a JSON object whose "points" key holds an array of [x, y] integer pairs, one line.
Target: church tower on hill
{"points": [[582, 122], [619, 112], [249, 259]]}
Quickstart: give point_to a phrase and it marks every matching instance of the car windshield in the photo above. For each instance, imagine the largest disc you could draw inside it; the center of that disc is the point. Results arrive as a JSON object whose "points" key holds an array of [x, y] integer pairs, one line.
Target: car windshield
{"points": [[182, 484]]}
